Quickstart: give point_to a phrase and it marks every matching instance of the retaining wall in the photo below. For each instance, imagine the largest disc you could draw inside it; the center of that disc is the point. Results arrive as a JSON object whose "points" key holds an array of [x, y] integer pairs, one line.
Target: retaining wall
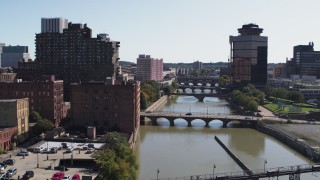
{"points": [[302, 148], [158, 103]]}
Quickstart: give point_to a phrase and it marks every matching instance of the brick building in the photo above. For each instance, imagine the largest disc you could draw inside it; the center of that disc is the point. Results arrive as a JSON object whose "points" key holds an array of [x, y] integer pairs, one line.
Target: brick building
{"points": [[149, 68], [106, 106], [15, 113], [45, 95], [73, 56], [7, 76], [6, 134]]}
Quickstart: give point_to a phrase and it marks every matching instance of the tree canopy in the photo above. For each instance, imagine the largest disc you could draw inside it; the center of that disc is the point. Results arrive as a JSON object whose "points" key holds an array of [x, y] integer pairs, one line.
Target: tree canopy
{"points": [[118, 160]]}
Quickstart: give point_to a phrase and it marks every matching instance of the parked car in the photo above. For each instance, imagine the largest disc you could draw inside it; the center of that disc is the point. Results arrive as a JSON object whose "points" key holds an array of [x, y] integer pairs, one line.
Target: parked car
{"points": [[66, 178], [90, 150], [61, 168], [28, 175], [76, 177], [69, 149], [1, 168], [45, 150], [11, 172], [189, 114], [9, 161], [53, 150], [3, 164], [3, 176], [38, 150], [23, 153], [57, 176]]}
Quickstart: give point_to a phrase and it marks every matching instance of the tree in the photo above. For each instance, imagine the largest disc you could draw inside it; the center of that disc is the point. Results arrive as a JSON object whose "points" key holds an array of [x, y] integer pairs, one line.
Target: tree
{"points": [[34, 117], [118, 161], [261, 96], [143, 100], [295, 96], [252, 106], [223, 80], [42, 126]]}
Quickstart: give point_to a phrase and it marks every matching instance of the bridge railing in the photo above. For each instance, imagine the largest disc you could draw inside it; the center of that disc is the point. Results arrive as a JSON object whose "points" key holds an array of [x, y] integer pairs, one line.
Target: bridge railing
{"points": [[258, 172]]}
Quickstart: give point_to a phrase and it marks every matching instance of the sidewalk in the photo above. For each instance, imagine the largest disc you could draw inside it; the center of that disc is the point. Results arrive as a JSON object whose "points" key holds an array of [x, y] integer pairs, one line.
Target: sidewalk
{"points": [[265, 112]]}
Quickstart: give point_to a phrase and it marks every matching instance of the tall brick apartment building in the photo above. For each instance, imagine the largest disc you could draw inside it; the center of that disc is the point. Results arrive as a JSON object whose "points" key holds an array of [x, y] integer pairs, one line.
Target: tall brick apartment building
{"points": [[45, 95], [106, 106], [73, 56]]}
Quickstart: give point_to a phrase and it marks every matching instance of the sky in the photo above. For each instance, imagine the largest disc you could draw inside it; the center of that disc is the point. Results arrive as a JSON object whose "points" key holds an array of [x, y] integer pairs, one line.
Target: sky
{"points": [[175, 30]]}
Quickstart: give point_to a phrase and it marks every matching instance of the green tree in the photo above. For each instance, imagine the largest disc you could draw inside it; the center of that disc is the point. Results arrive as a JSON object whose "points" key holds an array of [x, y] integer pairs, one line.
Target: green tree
{"points": [[143, 101], [42, 126], [223, 80], [118, 161], [34, 117], [295, 96], [252, 106], [261, 96]]}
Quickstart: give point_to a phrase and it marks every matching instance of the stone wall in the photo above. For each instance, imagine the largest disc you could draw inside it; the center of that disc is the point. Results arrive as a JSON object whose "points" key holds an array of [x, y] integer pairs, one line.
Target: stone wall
{"points": [[300, 147]]}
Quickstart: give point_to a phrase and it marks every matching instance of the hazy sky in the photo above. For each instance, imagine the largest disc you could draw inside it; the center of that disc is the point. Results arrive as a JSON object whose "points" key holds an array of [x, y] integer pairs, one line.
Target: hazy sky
{"points": [[175, 30]]}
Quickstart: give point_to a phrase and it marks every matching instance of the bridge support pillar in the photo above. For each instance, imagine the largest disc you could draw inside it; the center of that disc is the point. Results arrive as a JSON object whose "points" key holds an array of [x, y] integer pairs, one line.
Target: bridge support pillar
{"points": [[294, 177], [171, 122], [154, 122], [201, 99], [225, 124], [189, 124]]}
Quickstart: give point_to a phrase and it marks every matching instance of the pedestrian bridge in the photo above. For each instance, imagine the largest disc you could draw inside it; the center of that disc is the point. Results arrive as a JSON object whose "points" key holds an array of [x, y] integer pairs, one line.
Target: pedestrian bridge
{"points": [[207, 118]]}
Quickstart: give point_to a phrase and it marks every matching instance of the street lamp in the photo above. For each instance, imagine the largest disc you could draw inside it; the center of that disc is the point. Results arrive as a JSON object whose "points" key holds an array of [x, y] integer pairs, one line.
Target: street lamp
{"points": [[72, 152], [47, 151], [264, 165], [207, 111], [37, 160], [214, 166], [158, 173]]}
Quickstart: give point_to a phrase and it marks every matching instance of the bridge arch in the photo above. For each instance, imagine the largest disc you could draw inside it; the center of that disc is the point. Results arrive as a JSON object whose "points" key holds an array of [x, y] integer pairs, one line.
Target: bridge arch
{"points": [[216, 123], [180, 122], [198, 123]]}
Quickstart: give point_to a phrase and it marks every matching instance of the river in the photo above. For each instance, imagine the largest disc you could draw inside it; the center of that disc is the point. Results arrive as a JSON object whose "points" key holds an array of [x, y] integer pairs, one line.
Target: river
{"points": [[184, 151]]}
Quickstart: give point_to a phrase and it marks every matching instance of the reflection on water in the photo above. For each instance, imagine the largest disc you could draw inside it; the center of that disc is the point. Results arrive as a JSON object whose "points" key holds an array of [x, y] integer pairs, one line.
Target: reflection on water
{"points": [[184, 151]]}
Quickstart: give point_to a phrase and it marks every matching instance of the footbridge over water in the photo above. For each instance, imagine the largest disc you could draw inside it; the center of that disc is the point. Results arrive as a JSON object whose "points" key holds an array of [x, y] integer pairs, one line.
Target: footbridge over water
{"points": [[293, 172], [207, 118], [200, 96], [202, 88]]}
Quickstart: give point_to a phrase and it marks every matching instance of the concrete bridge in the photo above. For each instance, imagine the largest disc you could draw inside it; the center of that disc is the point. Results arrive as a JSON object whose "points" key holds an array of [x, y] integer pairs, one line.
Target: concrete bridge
{"points": [[202, 88], [196, 80], [200, 96], [207, 118]]}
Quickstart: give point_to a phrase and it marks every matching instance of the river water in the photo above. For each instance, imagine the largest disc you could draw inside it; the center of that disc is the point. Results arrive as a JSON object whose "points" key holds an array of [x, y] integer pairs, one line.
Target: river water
{"points": [[184, 151]]}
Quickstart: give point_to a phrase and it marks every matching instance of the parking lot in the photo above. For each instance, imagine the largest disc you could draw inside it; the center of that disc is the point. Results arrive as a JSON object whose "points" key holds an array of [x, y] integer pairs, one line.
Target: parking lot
{"points": [[45, 161]]}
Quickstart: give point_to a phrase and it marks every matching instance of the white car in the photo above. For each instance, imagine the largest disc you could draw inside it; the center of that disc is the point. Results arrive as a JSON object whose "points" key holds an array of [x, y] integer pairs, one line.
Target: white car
{"points": [[38, 149], [66, 178], [69, 149]]}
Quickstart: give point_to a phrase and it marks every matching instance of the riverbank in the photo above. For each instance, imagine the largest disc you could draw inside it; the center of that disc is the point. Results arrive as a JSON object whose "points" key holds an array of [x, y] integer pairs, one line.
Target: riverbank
{"points": [[157, 104], [303, 138]]}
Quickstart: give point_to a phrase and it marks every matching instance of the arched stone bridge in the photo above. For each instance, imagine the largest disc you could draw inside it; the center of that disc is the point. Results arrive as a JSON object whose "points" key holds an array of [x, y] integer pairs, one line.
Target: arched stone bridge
{"points": [[205, 117], [202, 88], [200, 96]]}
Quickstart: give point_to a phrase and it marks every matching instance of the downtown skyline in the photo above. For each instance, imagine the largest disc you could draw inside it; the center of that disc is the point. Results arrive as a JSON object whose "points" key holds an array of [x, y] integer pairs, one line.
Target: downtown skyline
{"points": [[177, 31]]}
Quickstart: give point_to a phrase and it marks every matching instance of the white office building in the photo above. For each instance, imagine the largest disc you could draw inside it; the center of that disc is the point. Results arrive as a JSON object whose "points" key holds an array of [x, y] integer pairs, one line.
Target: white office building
{"points": [[53, 25]]}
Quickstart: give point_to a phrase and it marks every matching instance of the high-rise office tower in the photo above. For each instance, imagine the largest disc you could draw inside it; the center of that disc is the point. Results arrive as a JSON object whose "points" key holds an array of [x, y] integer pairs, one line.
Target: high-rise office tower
{"points": [[73, 56], [149, 68], [197, 65], [306, 60], [1, 47], [12, 54], [53, 25], [249, 55]]}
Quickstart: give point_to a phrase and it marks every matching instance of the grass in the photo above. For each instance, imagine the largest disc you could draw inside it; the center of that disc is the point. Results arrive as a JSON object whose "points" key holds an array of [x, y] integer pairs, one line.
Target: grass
{"points": [[294, 109]]}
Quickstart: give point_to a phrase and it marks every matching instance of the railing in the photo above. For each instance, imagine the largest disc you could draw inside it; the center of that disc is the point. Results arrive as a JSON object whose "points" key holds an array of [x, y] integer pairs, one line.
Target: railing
{"points": [[259, 173]]}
